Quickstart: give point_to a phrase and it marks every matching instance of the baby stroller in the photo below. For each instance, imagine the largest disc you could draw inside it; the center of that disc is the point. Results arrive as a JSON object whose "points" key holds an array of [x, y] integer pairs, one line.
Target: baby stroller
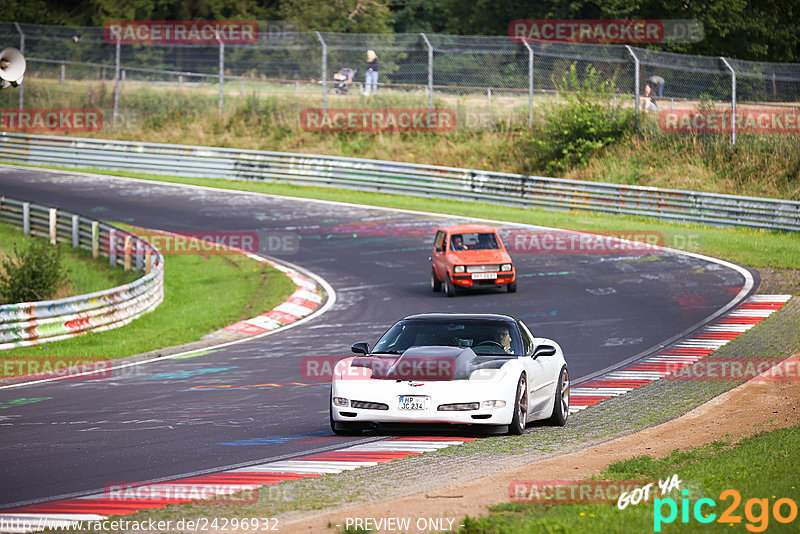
{"points": [[343, 79]]}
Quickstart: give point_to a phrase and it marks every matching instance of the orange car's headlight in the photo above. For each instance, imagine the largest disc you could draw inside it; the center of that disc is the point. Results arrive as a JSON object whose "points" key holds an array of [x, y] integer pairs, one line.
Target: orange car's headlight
{"points": [[505, 267]]}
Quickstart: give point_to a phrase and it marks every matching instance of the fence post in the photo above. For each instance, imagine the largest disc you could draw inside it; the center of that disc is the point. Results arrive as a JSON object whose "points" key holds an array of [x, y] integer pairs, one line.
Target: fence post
{"points": [[430, 70], [221, 72], [112, 247], [63, 72], [95, 239], [116, 84], [139, 255], [148, 253], [733, 100], [75, 231], [324, 71], [26, 218], [53, 226], [126, 250], [530, 82], [22, 50], [636, 83]]}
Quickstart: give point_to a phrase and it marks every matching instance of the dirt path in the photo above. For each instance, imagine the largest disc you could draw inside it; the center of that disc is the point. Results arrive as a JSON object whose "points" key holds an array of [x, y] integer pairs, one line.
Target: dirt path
{"points": [[730, 416]]}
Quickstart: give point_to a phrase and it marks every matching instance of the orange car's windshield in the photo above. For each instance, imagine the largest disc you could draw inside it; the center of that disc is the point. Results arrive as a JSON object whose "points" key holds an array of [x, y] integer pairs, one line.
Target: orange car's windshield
{"points": [[474, 241]]}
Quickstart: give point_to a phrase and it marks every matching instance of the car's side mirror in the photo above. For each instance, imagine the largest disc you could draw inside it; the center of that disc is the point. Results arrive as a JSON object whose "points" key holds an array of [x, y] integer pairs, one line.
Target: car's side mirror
{"points": [[439, 249], [360, 348], [544, 350]]}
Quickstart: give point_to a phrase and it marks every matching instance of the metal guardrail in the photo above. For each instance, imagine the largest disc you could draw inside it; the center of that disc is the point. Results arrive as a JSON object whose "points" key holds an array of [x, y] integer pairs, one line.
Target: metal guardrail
{"points": [[404, 178], [30, 323]]}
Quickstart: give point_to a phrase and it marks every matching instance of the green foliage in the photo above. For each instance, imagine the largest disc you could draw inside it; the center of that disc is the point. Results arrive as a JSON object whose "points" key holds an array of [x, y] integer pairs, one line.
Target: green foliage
{"points": [[31, 274], [587, 123]]}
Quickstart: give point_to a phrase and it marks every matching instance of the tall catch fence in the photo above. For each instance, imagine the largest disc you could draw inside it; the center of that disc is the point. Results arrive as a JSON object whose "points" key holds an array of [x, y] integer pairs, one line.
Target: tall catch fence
{"points": [[485, 79]]}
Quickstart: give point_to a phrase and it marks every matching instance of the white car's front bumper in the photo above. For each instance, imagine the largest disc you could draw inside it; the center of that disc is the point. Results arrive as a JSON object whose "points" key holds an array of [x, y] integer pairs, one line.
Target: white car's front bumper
{"points": [[388, 392]]}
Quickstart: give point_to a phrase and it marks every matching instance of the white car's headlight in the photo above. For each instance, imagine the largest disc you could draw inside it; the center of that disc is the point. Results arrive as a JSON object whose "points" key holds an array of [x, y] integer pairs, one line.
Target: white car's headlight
{"points": [[458, 269], [494, 404], [505, 267], [341, 401]]}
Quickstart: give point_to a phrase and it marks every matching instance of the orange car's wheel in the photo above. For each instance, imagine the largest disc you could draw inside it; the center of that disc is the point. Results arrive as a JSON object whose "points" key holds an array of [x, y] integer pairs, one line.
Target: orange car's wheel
{"points": [[512, 287], [449, 287], [436, 284]]}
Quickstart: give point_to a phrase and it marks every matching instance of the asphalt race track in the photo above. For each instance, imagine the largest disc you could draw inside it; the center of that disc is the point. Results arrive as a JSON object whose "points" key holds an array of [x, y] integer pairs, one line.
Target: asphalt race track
{"points": [[160, 420]]}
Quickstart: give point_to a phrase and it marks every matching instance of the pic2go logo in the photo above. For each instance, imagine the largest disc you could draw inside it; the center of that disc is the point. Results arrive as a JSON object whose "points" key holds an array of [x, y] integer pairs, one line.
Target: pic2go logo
{"points": [[756, 511]]}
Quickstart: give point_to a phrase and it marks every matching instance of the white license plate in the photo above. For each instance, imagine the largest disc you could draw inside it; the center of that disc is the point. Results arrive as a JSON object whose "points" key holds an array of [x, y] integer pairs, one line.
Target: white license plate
{"points": [[413, 402], [484, 276]]}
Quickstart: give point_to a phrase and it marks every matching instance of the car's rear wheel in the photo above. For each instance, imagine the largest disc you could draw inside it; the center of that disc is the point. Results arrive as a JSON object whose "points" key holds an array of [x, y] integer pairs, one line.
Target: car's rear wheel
{"points": [[343, 429], [520, 418], [512, 287], [436, 284], [561, 401], [449, 287]]}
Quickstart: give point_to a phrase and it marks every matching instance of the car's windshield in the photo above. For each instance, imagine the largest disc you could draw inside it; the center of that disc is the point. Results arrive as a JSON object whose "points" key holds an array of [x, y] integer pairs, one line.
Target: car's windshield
{"points": [[474, 241], [486, 337]]}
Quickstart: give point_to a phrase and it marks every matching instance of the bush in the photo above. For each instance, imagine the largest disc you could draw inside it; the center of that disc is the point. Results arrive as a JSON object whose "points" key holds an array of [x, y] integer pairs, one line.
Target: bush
{"points": [[33, 274], [587, 123]]}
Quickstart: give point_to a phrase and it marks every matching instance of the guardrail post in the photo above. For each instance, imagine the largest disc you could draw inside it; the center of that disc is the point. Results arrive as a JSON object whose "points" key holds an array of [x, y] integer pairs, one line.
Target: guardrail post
{"points": [[324, 71], [53, 227], [95, 239], [75, 231], [148, 254], [636, 83], [126, 250], [733, 100], [112, 248], [221, 72], [430, 70], [26, 218], [139, 255], [22, 50], [116, 84], [530, 82]]}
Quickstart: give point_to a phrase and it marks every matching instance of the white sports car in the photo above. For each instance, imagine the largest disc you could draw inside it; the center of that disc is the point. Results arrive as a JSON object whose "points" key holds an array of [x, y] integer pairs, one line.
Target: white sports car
{"points": [[473, 369]]}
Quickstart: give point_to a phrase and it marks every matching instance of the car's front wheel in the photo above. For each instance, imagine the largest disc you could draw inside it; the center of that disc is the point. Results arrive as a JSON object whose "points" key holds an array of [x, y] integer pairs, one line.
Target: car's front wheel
{"points": [[449, 287], [520, 418], [512, 287], [436, 284], [561, 401]]}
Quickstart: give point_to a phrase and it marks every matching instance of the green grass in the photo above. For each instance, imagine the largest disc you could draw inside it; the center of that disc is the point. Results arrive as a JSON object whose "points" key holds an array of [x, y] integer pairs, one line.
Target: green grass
{"points": [[756, 467], [755, 248], [84, 274], [201, 294]]}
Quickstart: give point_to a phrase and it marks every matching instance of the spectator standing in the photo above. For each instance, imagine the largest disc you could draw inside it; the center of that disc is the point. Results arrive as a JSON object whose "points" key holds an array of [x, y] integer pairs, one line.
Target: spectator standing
{"points": [[371, 74], [657, 85]]}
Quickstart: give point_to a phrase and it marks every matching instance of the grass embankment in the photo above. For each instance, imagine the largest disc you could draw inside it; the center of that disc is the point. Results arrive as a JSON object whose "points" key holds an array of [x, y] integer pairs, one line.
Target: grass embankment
{"points": [[755, 468], [192, 307], [494, 137], [84, 274]]}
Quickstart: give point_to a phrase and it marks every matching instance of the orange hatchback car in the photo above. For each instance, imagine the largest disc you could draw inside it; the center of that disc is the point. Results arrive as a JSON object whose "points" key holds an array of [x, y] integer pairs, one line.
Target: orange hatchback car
{"points": [[470, 255]]}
